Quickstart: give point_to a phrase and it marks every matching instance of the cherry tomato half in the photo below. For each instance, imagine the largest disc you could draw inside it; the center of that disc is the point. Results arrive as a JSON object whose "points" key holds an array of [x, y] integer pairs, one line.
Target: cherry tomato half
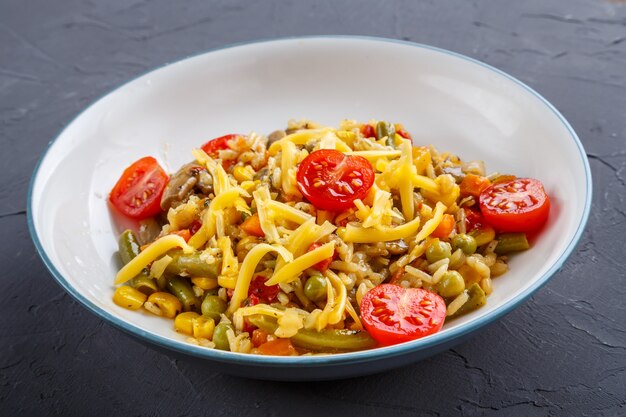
{"points": [[520, 205], [332, 181], [393, 314], [137, 194], [214, 146]]}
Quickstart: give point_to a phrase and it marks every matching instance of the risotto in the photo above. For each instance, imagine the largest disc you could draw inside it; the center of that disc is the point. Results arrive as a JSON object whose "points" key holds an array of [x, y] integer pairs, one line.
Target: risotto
{"points": [[316, 239]]}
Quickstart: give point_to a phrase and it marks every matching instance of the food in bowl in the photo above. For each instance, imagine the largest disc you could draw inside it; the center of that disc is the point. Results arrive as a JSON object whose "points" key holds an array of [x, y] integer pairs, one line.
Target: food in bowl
{"points": [[318, 240]]}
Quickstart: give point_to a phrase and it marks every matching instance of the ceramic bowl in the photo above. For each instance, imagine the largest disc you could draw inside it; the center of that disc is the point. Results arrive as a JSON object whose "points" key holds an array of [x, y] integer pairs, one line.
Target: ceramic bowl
{"points": [[451, 101]]}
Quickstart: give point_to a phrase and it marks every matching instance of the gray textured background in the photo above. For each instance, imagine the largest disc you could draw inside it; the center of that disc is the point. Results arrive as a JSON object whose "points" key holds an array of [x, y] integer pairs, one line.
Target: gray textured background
{"points": [[562, 353]]}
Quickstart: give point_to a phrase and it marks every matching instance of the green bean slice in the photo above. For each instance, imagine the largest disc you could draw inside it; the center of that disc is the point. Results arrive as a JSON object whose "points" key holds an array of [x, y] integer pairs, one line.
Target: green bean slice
{"points": [[386, 129], [191, 265], [182, 289], [325, 340], [144, 283], [128, 250], [128, 246], [511, 242], [477, 299]]}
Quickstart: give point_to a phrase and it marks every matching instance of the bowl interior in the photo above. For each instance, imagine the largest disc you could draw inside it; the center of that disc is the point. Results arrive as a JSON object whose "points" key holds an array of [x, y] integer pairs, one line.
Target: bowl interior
{"points": [[443, 99]]}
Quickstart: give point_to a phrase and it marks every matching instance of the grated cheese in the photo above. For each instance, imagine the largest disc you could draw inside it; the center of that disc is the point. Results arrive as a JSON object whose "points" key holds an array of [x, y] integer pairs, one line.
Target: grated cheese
{"points": [[149, 255]]}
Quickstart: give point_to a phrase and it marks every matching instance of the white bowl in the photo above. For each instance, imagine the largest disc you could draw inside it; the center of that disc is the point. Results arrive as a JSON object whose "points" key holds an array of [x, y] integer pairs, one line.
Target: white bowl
{"points": [[443, 98]]}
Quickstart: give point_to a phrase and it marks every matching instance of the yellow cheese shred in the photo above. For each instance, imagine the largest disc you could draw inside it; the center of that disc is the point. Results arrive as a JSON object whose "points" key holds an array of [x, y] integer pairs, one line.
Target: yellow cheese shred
{"points": [[304, 236], [150, 254], [375, 215], [248, 267], [322, 319], [425, 183], [284, 211], [352, 312], [230, 265], [262, 198], [300, 137], [341, 299], [375, 155], [432, 224], [221, 181], [292, 270], [406, 187], [158, 267], [298, 239], [287, 163], [358, 234], [226, 199]]}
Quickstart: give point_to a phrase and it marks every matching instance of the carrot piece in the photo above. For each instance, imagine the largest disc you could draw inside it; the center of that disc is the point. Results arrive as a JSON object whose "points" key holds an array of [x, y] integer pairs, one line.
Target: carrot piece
{"points": [[184, 233], [277, 347], [252, 226], [473, 185], [444, 228]]}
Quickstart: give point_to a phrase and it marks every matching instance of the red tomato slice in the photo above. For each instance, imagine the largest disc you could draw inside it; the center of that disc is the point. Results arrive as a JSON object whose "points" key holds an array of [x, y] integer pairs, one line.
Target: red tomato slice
{"points": [[137, 194], [404, 134], [332, 181], [474, 220], [520, 205], [393, 314], [264, 293], [368, 131], [321, 266], [214, 146]]}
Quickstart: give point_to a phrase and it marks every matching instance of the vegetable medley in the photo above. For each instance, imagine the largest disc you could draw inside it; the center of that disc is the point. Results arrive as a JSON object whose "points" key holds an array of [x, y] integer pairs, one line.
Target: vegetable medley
{"points": [[318, 240]]}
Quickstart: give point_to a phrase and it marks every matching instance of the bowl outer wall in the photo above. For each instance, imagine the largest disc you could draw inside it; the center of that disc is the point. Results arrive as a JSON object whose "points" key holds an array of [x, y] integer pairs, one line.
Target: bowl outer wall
{"points": [[386, 358]]}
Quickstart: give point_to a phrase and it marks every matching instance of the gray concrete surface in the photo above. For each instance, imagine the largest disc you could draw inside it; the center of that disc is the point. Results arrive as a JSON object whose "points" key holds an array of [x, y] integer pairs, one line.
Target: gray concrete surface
{"points": [[563, 353]]}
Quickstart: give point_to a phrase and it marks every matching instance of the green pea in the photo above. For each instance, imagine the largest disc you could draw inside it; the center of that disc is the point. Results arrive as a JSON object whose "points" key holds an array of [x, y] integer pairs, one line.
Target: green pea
{"points": [[464, 242], [315, 288], [451, 284], [213, 306], [438, 250], [220, 338]]}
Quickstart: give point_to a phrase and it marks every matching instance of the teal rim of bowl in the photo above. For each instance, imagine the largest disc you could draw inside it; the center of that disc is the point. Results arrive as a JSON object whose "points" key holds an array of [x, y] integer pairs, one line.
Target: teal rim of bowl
{"points": [[336, 358]]}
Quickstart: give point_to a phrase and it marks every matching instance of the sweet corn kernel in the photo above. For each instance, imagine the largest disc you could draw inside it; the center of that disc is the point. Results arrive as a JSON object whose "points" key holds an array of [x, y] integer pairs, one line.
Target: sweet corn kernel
{"points": [[242, 174], [249, 186], [167, 303], [203, 327], [129, 298], [205, 283], [227, 281], [183, 322]]}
